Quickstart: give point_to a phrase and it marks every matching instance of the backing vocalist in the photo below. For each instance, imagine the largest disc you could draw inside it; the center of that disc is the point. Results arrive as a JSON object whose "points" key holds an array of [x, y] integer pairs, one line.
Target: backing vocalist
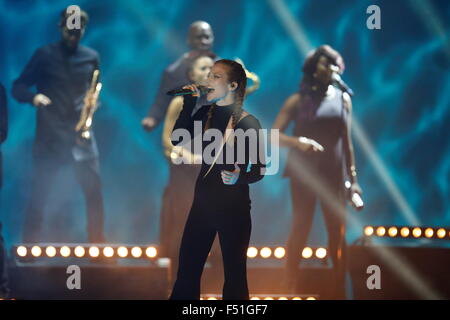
{"points": [[321, 154]]}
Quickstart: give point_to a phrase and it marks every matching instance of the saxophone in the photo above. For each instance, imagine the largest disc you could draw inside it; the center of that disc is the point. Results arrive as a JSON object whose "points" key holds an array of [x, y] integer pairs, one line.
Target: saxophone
{"points": [[90, 106], [252, 76]]}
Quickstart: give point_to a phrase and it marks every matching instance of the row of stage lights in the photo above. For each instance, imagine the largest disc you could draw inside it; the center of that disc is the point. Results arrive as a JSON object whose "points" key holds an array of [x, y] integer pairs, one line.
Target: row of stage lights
{"points": [[66, 251], [79, 251], [280, 252], [264, 297], [406, 232]]}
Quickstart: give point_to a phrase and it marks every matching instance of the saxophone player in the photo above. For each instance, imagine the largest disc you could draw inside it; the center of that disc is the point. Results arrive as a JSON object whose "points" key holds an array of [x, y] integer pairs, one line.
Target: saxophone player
{"points": [[62, 73]]}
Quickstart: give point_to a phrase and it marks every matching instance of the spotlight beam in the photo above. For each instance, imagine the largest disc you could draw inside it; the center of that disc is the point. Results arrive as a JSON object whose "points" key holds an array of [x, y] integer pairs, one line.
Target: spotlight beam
{"points": [[383, 173], [425, 10], [292, 26]]}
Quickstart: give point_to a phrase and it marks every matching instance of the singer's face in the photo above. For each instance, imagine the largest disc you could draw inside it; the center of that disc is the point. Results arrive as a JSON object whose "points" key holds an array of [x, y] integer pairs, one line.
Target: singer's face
{"points": [[200, 70], [218, 81], [324, 70]]}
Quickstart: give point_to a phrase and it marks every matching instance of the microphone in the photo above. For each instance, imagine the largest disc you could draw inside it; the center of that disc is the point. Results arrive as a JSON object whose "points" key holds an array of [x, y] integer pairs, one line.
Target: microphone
{"points": [[357, 202], [337, 80], [354, 198], [183, 91]]}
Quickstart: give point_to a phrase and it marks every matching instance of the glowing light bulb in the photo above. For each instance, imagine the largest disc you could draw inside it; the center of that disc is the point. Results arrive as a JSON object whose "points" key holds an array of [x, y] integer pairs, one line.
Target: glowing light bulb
{"points": [[393, 231], [381, 231], [307, 253], [64, 251], [279, 252], [440, 233], [21, 251], [36, 251], [265, 252], [79, 251], [94, 252], [252, 252], [429, 232], [417, 232], [368, 231], [321, 253], [151, 252], [50, 251], [122, 252], [108, 252], [404, 232], [136, 252]]}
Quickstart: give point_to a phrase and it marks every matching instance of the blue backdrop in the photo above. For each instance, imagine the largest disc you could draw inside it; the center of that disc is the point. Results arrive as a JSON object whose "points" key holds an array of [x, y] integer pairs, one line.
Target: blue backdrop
{"points": [[400, 75]]}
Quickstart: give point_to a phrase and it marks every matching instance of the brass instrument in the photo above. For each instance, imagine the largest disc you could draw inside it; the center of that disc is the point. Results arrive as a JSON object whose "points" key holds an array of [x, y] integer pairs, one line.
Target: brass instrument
{"points": [[252, 76], [90, 106]]}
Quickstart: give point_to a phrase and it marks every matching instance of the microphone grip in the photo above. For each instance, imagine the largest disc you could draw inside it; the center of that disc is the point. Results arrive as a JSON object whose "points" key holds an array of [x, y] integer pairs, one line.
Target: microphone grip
{"points": [[357, 202], [350, 91], [179, 92], [336, 78], [183, 92]]}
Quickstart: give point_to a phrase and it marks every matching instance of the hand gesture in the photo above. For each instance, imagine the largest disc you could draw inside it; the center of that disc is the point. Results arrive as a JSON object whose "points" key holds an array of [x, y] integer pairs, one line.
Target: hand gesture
{"points": [[305, 144], [41, 100], [230, 177], [148, 123]]}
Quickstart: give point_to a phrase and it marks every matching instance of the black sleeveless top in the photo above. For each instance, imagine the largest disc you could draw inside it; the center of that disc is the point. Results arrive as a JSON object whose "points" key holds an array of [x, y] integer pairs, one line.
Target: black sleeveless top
{"points": [[326, 124]]}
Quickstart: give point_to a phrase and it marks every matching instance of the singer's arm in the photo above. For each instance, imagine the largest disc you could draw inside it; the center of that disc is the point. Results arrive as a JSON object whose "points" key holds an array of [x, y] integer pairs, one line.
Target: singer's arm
{"points": [[254, 167], [348, 146], [28, 78], [158, 109], [186, 119], [285, 116], [173, 112], [169, 122]]}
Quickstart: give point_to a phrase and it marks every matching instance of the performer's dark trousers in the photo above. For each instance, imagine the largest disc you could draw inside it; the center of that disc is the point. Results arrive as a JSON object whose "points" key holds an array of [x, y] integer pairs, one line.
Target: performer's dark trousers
{"points": [[233, 228], [176, 204], [44, 174], [332, 202]]}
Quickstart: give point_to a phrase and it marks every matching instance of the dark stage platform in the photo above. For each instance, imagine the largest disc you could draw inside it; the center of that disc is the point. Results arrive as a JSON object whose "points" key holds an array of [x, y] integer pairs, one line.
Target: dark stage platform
{"points": [[43, 279]]}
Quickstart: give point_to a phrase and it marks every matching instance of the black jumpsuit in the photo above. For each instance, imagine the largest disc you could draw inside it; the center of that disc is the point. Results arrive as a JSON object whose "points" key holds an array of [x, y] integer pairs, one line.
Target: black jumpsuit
{"points": [[220, 208], [319, 177]]}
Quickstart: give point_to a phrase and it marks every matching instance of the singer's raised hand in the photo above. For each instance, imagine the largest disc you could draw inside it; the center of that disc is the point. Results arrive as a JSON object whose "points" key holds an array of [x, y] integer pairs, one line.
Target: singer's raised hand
{"points": [[194, 89]]}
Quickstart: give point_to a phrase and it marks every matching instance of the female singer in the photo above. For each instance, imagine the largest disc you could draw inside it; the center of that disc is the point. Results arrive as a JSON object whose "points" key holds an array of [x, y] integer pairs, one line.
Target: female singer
{"points": [[221, 197]]}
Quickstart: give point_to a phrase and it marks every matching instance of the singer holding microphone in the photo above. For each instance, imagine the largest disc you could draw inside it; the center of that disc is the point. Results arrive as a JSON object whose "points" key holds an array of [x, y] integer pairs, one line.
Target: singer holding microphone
{"points": [[320, 156], [221, 198]]}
